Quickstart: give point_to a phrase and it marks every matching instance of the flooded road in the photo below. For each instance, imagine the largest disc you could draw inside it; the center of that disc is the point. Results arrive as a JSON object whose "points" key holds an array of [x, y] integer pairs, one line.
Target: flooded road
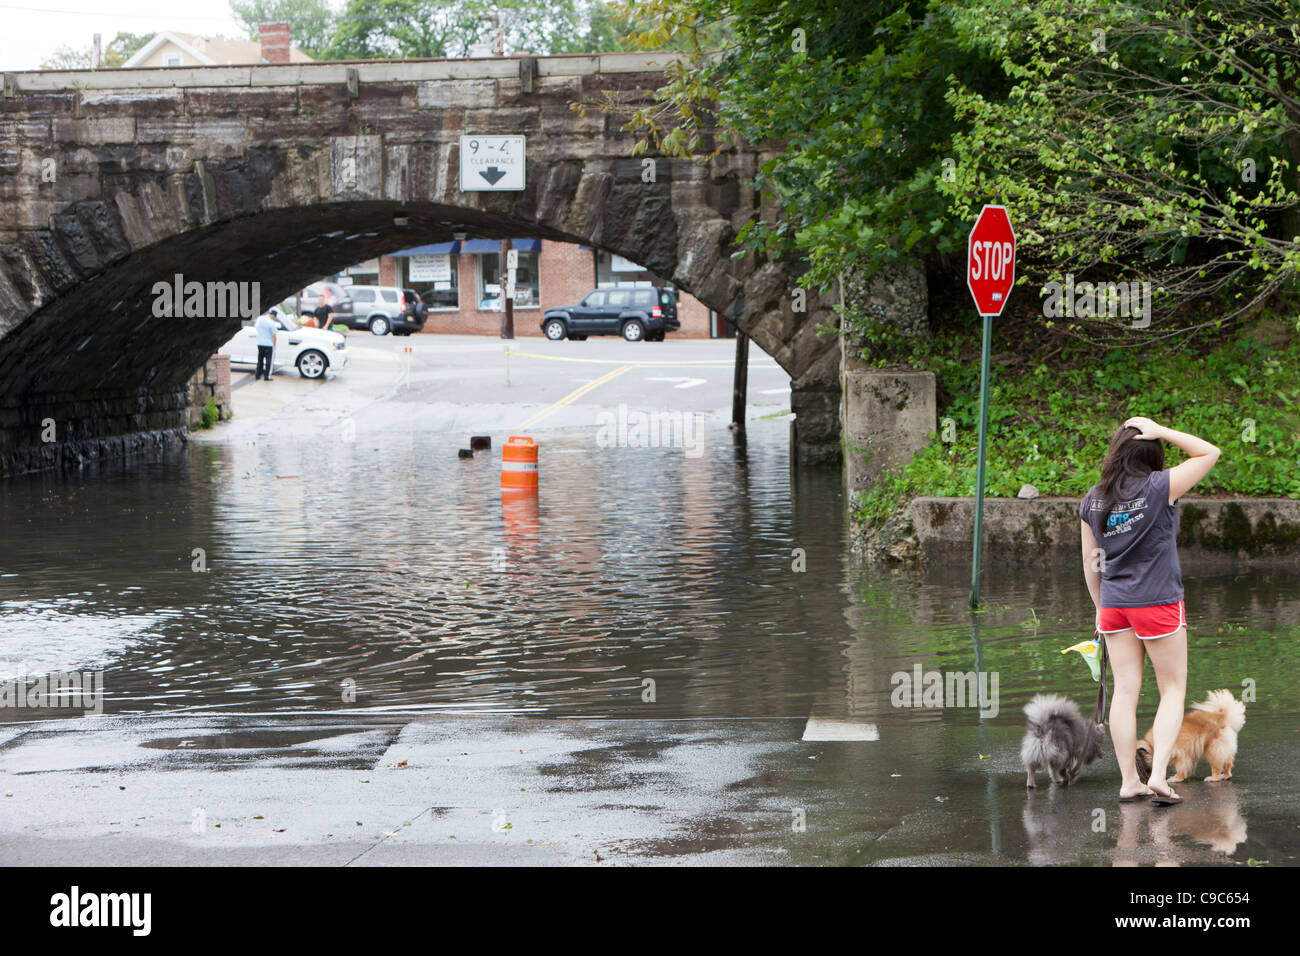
{"points": [[377, 578], [386, 575]]}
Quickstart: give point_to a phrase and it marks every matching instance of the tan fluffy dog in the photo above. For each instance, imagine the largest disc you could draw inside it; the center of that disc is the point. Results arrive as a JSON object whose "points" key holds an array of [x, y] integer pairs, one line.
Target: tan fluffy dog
{"points": [[1209, 731]]}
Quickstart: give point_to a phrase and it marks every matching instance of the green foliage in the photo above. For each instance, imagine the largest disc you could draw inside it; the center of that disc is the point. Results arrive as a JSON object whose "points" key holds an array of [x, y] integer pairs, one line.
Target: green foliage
{"points": [[855, 95], [211, 414], [312, 21], [1154, 140], [120, 49], [1050, 426], [369, 29]]}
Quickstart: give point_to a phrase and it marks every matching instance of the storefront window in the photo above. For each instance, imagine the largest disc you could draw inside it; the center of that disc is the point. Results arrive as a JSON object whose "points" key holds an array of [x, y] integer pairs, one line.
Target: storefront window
{"points": [[615, 270], [434, 277], [528, 289]]}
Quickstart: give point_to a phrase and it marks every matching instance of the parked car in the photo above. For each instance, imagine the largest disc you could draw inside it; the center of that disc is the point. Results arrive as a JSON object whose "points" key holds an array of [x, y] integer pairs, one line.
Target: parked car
{"points": [[311, 351], [383, 309], [338, 297], [416, 307], [635, 312]]}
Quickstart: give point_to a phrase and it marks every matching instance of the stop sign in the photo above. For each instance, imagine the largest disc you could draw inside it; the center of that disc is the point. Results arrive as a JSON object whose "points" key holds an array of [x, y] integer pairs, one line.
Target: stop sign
{"points": [[991, 260]]}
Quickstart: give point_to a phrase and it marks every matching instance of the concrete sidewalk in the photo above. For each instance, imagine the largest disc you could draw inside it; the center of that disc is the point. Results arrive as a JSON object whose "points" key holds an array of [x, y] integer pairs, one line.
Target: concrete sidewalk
{"points": [[348, 790]]}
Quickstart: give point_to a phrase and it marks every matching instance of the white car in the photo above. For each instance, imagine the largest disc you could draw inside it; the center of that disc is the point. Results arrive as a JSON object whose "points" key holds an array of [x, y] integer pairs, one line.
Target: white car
{"points": [[313, 351]]}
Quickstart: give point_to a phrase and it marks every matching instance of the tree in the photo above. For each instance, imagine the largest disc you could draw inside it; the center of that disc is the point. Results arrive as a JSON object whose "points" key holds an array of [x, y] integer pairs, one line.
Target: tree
{"points": [[851, 94], [120, 49], [312, 22], [1155, 141], [369, 29]]}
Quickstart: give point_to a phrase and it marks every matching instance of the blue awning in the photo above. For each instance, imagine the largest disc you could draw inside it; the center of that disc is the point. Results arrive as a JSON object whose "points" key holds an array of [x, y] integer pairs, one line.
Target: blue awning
{"points": [[492, 245], [436, 249]]}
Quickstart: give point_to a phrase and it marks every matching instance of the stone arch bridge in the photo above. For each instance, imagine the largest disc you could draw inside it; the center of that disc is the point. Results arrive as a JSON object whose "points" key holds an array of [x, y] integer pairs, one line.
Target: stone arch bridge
{"points": [[112, 181]]}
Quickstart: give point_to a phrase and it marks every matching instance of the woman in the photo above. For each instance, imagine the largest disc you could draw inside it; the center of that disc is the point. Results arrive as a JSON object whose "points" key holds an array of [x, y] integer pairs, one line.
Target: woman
{"points": [[1130, 560]]}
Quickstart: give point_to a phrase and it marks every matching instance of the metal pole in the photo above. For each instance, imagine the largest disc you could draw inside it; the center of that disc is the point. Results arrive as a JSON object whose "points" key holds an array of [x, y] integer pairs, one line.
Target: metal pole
{"points": [[979, 470], [740, 382]]}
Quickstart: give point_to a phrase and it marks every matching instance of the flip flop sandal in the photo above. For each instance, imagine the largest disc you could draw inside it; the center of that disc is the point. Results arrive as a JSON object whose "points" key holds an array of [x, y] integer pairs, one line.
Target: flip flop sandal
{"points": [[1162, 800], [1136, 797]]}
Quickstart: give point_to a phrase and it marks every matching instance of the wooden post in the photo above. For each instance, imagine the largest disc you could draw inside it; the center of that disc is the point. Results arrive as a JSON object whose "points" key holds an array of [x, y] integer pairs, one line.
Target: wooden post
{"points": [[507, 290]]}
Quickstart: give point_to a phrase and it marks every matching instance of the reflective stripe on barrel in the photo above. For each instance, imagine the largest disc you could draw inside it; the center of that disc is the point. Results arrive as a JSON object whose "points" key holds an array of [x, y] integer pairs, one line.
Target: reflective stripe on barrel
{"points": [[519, 464]]}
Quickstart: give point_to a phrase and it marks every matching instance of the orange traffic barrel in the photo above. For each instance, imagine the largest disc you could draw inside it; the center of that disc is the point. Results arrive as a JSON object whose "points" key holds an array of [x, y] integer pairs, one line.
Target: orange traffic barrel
{"points": [[519, 464]]}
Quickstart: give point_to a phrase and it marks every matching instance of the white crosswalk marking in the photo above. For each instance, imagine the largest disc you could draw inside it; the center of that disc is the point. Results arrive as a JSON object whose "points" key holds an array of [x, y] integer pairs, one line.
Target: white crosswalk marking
{"points": [[685, 382], [819, 728]]}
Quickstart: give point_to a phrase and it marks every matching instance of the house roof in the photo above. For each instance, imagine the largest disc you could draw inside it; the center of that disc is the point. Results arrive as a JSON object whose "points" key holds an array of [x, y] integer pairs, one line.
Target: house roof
{"points": [[211, 51]]}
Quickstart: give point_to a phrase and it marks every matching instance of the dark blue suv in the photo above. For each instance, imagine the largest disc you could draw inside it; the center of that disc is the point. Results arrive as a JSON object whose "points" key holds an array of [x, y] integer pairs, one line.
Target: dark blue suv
{"points": [[638, 313]]}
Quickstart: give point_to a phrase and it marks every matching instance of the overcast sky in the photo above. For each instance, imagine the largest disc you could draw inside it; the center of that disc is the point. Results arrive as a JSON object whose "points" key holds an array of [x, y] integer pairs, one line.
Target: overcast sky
{"points": [[31, 30]]}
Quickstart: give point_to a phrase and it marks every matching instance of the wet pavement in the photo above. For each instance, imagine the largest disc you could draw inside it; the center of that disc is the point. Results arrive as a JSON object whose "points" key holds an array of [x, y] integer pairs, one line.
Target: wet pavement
{"points": [[515, 791], [674, 635]]}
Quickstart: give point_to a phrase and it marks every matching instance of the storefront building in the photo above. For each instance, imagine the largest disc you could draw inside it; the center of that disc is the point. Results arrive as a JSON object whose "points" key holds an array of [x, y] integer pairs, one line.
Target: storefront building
{"points": [[460, 282]]}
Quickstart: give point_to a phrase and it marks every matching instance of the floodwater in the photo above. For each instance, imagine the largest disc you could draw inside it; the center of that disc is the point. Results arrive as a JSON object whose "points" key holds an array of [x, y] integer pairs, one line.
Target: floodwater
{"points": [[390, 572], [384, 576]]}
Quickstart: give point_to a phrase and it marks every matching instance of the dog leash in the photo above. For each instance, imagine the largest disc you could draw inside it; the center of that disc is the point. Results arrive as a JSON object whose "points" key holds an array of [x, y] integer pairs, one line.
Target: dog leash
{"points": [[1099, 716]]}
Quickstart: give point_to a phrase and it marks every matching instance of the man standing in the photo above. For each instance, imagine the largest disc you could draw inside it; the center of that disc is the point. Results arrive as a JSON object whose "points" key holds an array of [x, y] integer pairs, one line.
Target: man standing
{"points": [[323, 308], [266, 326], [322, 313]]}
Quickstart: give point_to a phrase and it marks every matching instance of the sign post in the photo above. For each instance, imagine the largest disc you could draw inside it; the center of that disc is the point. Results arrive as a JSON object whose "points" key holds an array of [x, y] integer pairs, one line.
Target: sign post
{"points": [[990, 273]]}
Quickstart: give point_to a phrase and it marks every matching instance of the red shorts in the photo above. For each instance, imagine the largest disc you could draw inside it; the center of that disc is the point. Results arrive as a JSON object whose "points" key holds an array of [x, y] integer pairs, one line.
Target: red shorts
{"points": [[1148, 623]]}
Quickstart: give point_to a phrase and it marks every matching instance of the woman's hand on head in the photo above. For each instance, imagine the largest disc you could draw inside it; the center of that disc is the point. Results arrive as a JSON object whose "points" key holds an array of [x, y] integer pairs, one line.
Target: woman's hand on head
{"points": [[1147, 428]]}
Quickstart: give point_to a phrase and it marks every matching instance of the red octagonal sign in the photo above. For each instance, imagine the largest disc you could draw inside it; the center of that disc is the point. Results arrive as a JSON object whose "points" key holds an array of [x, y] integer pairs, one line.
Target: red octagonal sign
{"points": [[991, 260]]}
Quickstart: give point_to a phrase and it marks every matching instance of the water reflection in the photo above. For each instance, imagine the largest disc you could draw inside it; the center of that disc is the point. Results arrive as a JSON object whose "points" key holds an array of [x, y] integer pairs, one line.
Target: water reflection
{"points": [[385, 575]]}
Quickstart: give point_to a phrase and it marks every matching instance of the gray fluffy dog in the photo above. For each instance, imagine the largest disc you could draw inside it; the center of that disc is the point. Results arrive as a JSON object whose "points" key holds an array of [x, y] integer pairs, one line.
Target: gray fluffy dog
{"points": [[1058, 739]]}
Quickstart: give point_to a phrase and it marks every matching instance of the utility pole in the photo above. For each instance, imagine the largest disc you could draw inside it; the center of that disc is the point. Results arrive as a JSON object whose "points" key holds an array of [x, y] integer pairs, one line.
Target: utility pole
{"points": [[98, 61], [740, 382], [507, 260]]}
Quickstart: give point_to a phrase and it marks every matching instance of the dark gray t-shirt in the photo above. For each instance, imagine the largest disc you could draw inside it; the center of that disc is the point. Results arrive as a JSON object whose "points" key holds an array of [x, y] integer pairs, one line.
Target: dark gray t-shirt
{"points": [[1139, 539]]}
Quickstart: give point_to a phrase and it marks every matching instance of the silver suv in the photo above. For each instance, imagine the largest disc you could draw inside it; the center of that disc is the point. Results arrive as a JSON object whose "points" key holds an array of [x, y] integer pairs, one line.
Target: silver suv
{"points": [[340, 302], [381, 309]]}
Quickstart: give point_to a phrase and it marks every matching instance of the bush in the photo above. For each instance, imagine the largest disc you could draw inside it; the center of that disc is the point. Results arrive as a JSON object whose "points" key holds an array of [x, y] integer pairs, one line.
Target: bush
{"points": [[211, 414]]}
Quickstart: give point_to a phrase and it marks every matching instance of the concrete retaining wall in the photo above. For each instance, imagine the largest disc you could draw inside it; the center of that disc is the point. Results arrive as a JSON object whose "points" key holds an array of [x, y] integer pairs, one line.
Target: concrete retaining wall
{"points": [[888, 417], [1213, 532]]}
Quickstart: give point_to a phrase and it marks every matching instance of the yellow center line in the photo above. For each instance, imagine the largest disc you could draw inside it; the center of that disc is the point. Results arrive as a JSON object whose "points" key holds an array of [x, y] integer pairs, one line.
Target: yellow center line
{"points": [[573, 396]]}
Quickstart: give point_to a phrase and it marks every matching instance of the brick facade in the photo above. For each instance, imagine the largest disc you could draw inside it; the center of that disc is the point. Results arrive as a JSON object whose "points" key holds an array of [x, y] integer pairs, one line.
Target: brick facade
{"points": [[566, 273]]}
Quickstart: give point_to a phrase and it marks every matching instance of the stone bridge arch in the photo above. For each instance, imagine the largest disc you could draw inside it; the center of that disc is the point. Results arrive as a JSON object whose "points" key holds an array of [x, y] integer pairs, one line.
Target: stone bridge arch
{"points": [[112, 181]]}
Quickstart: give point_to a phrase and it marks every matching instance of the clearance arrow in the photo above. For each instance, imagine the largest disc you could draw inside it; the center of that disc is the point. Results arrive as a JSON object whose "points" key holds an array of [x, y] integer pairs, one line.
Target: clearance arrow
{"points": [[492, 175]]}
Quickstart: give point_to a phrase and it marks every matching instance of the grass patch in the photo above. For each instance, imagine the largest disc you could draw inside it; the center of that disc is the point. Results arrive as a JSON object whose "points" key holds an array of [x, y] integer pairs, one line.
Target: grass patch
{"points": [[1050, 423]]}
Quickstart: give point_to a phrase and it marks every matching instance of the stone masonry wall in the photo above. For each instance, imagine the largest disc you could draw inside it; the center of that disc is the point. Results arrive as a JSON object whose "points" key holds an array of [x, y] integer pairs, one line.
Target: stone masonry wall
{"points": [[211, 382], [279, 174]]}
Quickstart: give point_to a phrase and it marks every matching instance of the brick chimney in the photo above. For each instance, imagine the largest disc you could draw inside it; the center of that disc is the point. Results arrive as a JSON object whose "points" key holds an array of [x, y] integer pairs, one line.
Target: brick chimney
{"points": [[275, 41]]}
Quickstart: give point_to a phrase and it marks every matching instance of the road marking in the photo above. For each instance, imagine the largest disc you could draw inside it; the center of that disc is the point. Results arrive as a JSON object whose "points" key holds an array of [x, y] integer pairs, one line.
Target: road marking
{"points": [[685, 382], [713, 363], [774, 391], [820, 729], [572, 397]]}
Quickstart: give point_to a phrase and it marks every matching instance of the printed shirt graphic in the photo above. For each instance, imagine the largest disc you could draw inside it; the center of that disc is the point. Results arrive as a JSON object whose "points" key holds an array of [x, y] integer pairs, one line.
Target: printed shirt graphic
{"points": [[1139, 540], [265, 330]]}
